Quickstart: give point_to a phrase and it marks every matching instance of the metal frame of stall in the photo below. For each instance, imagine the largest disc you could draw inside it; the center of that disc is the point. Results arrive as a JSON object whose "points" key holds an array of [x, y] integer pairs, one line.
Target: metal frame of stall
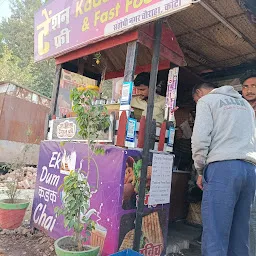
{"points": [[129, 71], [130, 65]]}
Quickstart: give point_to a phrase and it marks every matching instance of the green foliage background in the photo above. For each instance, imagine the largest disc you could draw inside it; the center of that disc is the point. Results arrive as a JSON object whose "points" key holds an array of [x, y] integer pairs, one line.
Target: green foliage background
{"points": [[17, 49]]}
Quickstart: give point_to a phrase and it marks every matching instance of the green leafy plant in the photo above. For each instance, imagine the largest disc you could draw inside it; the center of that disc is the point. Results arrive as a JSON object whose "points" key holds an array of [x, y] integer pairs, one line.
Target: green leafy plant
{"points": [[12, 189], [76, 199], [92, 119], [12, 185]]}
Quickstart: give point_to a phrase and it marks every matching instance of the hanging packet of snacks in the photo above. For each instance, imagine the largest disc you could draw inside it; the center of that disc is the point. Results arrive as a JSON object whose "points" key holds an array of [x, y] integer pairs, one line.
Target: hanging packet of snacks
{"points": [[171, 98], [171, 94]]}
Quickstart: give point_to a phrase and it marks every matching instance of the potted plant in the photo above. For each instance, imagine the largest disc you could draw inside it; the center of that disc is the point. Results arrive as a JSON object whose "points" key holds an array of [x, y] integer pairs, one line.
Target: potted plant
{"points": [[75, 201], [12, 210], [75, 209]]}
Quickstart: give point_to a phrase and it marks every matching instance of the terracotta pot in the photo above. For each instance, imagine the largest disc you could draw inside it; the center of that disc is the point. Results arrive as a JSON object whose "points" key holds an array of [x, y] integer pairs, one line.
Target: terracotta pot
{"points": [[12, 214], [67, 240]]}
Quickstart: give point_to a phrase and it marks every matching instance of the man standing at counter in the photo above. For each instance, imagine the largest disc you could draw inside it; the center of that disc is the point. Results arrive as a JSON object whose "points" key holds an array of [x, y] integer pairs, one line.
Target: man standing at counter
{"points": [[224, 153], [141, 83]]}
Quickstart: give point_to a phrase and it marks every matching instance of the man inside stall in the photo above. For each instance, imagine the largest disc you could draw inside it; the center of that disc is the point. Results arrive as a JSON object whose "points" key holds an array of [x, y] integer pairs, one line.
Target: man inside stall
{"points": [[141, 84]]}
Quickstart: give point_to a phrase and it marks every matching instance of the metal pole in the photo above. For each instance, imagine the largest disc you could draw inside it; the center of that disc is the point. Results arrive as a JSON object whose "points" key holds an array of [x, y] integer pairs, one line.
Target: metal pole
{"points": [[131, 59], [55, 90], [146, 148]]}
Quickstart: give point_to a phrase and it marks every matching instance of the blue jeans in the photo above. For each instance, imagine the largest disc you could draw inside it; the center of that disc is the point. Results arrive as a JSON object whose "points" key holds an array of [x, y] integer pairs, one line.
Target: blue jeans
{"points": [[253, 230], [229, 189]]}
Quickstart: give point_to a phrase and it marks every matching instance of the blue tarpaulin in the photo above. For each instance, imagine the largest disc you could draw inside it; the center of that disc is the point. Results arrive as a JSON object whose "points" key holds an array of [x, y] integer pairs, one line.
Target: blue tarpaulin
{"points": [[127, 252]]}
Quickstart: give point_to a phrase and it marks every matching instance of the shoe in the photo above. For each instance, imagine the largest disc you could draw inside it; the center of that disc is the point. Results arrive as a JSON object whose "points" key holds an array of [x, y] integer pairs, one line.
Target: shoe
{"points": [[199, 240]]}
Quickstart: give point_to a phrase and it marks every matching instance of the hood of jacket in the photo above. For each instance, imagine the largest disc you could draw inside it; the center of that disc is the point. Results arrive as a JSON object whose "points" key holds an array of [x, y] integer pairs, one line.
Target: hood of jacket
{"points": [[228, 91]]}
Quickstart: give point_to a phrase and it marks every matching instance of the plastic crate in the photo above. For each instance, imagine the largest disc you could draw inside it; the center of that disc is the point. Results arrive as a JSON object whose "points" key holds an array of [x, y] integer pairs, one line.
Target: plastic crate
{"points": [[127, 252]]}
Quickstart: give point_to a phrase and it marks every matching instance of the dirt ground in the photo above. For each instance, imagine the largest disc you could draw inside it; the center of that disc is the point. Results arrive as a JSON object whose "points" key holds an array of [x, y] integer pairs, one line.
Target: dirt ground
{"points": [[23, 242]]}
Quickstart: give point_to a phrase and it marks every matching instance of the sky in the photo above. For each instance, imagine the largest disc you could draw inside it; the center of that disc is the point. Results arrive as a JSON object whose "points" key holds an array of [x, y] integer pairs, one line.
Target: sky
{"points": [[5, 11]]}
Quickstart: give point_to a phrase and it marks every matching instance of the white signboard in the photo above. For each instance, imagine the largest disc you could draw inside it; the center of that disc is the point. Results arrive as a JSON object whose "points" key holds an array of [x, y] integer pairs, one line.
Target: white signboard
{"points": [[161, 180], [151, 11]]}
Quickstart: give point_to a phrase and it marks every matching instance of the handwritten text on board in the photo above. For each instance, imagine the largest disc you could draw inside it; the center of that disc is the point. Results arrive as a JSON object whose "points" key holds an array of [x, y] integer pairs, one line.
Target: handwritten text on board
{"points": [[161, 180]]}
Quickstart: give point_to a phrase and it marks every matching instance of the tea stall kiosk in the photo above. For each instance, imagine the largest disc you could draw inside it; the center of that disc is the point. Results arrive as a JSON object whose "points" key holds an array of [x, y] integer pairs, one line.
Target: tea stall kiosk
{"points": [[128, 213]]}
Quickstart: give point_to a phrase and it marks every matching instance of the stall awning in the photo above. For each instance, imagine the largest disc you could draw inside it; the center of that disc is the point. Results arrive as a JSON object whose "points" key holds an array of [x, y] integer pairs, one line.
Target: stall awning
{"points": [[215, 35]]}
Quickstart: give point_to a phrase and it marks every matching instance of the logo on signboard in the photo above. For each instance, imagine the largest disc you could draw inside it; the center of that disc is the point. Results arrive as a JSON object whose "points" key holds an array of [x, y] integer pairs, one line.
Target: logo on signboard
{"points": [[66, 130]]}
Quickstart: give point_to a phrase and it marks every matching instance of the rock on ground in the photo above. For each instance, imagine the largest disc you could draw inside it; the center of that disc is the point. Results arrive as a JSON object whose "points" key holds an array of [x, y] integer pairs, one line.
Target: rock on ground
{"points": [[26, 177]]}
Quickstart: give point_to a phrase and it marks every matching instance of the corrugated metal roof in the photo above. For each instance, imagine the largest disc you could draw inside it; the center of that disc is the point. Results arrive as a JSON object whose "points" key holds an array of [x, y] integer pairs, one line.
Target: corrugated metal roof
{"points": [[23, 87]]}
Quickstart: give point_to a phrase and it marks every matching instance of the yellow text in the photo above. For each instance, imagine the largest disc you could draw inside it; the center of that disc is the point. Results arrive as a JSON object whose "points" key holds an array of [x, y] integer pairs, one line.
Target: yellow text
{"points": [[83, 6], [135, 4], [44, 29], [103, 17], [85, 24]]}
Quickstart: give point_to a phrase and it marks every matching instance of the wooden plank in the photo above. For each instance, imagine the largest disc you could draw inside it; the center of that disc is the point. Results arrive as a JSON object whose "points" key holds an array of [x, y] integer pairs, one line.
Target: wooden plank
{"points": [[46, 125], [116, 60], [97, 47], [141, 134], [121, 133], [55, 90], [163, 65], [130, 63], [178, 197], [152, 135], [110, 64], [168, 38], [81, 64], [165, 52], [162, 137]]}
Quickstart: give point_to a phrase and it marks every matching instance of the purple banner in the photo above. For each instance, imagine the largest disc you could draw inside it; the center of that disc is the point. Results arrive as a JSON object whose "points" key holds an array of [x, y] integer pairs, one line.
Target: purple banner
{"points": [[65, 25], [113, 201]]}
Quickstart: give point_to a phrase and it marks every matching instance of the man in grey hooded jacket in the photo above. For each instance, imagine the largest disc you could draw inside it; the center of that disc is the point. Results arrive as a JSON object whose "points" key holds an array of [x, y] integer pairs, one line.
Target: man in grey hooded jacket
{"points": [[224, 153]]}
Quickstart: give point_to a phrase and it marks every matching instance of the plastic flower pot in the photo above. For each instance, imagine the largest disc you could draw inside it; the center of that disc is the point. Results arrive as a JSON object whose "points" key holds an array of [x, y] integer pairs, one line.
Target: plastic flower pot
{"points": [[67, 241], [12, 214], [127, 252]]}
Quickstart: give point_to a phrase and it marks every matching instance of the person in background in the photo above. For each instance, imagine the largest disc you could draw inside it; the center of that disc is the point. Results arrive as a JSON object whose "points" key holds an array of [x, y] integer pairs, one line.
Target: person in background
{"points": [[249, 89], [249, 93], [224, 154], [141, 83]]}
